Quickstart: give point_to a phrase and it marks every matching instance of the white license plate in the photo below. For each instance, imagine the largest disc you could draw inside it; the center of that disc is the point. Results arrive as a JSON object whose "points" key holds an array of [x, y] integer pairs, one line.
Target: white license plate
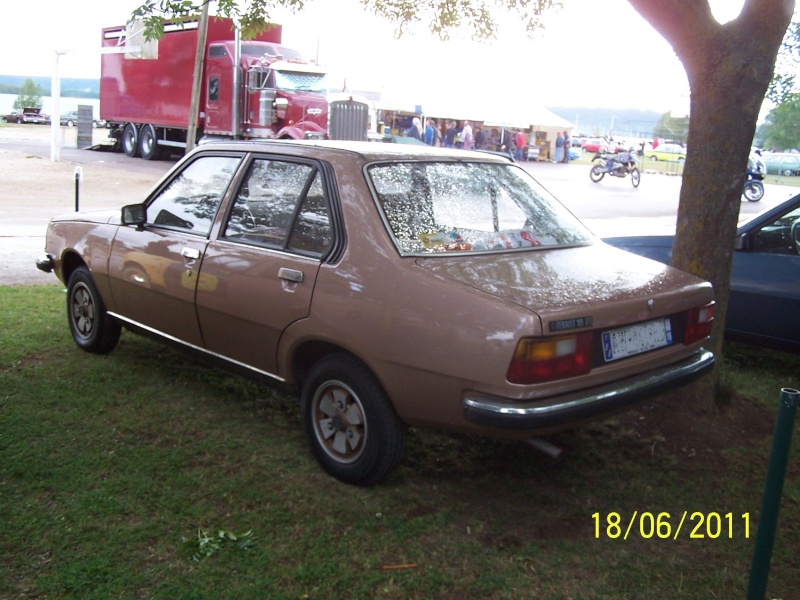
{"points": [[636, 339]]}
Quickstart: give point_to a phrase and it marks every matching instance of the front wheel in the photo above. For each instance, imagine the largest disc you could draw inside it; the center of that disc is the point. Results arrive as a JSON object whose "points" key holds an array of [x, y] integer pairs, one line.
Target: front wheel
{"points": [[92, 328], [597, 173], [636, 177], [753, 190], [354, 432]]}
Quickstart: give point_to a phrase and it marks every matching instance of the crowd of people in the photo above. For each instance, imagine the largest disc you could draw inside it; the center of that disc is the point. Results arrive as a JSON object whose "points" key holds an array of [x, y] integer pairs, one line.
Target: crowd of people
{"points": [[451, 134]]}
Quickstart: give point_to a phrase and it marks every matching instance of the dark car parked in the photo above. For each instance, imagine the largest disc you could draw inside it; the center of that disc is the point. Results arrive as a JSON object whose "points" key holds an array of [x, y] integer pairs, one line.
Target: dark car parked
{"points": [[764, 305]]}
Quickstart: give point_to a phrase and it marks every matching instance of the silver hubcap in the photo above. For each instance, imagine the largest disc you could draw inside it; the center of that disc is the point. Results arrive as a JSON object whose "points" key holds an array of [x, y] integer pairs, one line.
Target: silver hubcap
{"points": [[339, 422], [83, 311]]}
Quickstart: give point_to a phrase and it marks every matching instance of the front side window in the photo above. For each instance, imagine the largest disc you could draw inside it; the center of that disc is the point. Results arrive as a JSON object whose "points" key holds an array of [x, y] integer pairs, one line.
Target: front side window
{"points": [[782, 236], [469, 207], [282, 205], [191, 200]]}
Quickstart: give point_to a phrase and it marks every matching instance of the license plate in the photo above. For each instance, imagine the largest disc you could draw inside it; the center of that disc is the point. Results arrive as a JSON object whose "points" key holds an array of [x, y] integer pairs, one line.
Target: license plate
{"points": [[635, 339]]}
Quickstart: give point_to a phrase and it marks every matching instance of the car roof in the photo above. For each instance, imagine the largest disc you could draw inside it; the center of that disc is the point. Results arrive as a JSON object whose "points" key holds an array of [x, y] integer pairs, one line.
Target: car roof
{"points": [[366, 150]]}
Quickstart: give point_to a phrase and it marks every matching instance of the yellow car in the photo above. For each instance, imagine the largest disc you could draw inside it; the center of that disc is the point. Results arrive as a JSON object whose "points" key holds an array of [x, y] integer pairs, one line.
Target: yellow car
{"points": [[669, 152]]}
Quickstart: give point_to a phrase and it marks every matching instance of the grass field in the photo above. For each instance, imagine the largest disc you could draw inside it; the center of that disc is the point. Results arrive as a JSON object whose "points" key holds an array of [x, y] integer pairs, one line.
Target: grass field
{"points": [[119, 472]]}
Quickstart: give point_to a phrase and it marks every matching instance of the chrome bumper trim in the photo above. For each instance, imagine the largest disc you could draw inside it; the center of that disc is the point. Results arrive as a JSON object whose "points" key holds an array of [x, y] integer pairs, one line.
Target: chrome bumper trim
{"points": [[552, 412]]}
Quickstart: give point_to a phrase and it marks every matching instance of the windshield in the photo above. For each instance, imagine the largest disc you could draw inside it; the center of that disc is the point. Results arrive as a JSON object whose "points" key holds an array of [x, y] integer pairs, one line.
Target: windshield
{"points": [[435, 207], [295, 81]]}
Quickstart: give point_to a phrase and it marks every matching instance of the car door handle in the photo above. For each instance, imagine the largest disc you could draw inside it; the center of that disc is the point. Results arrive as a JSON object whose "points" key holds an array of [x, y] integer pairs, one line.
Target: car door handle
{"points": [[190, 253], [291, 275]]}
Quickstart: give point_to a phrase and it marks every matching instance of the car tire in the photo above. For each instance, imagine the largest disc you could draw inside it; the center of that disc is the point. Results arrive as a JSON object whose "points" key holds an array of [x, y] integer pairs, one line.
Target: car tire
{"points": [[92, 328], [70, 123], [354, 432], [130, 140], [654, 158]]}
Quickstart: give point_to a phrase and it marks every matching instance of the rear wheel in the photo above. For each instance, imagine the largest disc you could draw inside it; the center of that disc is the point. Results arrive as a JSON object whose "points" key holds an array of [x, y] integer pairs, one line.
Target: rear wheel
{"points": [[654, 158], [130, 140], [70, 123], [597, 173], [354, 432], [148, 143], [92, 328], [636, 177]]}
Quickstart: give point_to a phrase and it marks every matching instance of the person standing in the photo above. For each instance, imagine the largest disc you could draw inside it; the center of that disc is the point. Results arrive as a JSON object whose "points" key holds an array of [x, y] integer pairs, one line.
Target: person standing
{"points": [[415, 130], [430, 132], [567, 142], [480, 138], [520, 142], [450, 135], [559, 147], [466, 136]]}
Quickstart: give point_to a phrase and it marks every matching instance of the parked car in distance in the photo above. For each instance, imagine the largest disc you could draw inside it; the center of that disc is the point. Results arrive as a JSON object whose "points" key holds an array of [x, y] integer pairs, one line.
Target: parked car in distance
{"points": [[782, 163], [70, 119], [26, 115], [668, 152], [764, 303], [392, 285]]}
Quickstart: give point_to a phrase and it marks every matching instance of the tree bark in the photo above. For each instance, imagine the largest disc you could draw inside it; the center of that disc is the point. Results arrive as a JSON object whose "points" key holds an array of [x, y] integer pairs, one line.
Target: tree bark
{"points": [[729, 68]]}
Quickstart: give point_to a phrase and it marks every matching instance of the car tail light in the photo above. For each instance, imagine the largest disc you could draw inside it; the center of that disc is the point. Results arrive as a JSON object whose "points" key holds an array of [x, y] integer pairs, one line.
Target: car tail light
{"points": [[538, 360], [699, 325]]}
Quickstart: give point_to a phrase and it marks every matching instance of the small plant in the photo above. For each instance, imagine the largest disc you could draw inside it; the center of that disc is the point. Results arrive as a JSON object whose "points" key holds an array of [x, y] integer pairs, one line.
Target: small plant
{"points": [[206, 544]]}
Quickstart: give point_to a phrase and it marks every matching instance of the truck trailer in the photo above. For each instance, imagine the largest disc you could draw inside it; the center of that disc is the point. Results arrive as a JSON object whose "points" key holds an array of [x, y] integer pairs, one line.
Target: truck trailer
{"points": [[252, 89]]}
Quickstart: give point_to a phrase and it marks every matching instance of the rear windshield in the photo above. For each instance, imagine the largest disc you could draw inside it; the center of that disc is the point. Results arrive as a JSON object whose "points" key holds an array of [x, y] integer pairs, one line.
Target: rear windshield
{"points": [[435, 207]]}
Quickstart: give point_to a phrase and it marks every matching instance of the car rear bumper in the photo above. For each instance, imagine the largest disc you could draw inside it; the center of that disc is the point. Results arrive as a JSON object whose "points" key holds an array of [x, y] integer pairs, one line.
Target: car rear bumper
{"points": [[552, 413]]}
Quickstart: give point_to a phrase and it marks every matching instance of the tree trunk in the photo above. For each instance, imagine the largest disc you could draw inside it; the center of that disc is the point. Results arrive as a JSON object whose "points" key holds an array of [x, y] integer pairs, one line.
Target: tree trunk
{"points": [[729, 68]]}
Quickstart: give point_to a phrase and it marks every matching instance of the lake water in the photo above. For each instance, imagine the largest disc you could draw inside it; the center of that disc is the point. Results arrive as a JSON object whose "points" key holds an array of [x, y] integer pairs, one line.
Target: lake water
{"points": [[66, 105]]}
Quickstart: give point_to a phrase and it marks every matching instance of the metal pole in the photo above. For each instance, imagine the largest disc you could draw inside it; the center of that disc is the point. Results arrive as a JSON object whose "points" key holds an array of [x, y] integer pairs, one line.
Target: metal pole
{"points": [[78, 177], [773, 487]]}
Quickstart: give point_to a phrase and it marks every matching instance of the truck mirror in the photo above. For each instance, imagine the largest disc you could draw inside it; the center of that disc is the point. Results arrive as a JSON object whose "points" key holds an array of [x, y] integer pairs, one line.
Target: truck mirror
{"points": [[281, 104]]}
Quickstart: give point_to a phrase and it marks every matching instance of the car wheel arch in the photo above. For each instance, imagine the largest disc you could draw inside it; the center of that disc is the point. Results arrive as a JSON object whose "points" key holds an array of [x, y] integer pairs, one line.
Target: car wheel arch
{"points": [[69, 262]]}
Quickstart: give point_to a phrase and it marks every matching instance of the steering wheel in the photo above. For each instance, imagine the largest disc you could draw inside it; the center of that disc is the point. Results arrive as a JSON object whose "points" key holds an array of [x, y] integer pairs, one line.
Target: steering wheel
{"points": [[796, 235]]}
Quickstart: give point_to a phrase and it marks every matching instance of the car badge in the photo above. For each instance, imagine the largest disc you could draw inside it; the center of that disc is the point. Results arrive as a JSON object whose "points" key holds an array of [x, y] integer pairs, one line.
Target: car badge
{"points": [[651, 305], [315, 111]]}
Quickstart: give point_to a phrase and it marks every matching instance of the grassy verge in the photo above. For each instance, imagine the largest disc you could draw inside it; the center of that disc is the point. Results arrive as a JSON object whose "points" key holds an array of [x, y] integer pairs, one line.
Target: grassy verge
{"points": [[119, 471]]}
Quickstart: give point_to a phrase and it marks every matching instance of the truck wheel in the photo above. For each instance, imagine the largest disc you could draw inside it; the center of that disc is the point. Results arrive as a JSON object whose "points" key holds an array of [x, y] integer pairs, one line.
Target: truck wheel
{"points": [[130, 140], [148, 143]]}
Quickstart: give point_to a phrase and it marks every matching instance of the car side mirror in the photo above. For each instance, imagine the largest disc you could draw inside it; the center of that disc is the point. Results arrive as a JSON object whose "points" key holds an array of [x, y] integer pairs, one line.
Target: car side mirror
{"points": [[134, 214], [742, 242]]}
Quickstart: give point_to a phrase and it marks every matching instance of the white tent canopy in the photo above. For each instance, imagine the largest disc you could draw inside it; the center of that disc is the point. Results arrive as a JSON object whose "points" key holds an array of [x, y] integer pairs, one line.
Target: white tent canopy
{"points": [[493, 114]]}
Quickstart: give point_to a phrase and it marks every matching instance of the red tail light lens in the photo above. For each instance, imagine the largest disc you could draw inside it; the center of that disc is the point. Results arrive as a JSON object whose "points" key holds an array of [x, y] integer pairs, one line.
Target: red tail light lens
{"points": [[538, 360], [698, 327]]}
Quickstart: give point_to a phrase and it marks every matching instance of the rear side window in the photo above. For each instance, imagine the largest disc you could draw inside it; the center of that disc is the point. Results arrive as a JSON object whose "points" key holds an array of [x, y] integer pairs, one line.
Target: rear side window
{"points": [[282, 205]]}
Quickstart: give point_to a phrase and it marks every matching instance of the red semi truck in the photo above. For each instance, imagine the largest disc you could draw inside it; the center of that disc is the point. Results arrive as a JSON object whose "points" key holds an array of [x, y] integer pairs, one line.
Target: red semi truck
{"points": [[259, 90]]}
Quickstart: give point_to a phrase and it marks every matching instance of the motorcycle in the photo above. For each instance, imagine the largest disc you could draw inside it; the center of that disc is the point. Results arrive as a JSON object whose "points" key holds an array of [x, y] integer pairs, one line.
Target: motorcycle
{"points": [[756, 170], [615, 165]]}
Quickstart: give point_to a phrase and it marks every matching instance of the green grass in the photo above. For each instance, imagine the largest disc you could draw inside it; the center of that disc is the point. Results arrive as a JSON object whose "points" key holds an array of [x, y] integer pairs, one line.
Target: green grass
{"points": [[111, 467]]}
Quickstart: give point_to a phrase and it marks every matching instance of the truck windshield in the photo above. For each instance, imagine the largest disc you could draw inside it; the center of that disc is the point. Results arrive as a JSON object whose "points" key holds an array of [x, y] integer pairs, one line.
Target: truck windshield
{"points": [[293, 81]]}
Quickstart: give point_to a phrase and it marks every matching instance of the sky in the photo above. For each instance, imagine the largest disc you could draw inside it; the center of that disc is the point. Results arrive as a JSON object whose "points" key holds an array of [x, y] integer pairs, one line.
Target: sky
{"points": [[591, 53]]}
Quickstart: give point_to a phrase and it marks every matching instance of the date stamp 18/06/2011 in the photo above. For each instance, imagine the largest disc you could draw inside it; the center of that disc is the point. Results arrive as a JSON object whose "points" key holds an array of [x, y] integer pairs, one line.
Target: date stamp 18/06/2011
{"points": [[695, 525]]}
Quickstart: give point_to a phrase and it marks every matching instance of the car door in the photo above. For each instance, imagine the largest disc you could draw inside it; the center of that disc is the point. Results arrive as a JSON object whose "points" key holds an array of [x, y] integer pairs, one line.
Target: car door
{"points": [[765, 286], [154, 269], [262, 267]]}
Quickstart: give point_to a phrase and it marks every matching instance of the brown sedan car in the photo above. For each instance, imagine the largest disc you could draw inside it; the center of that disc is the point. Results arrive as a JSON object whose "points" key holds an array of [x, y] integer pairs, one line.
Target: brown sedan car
{"points": [[391, 286]]}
